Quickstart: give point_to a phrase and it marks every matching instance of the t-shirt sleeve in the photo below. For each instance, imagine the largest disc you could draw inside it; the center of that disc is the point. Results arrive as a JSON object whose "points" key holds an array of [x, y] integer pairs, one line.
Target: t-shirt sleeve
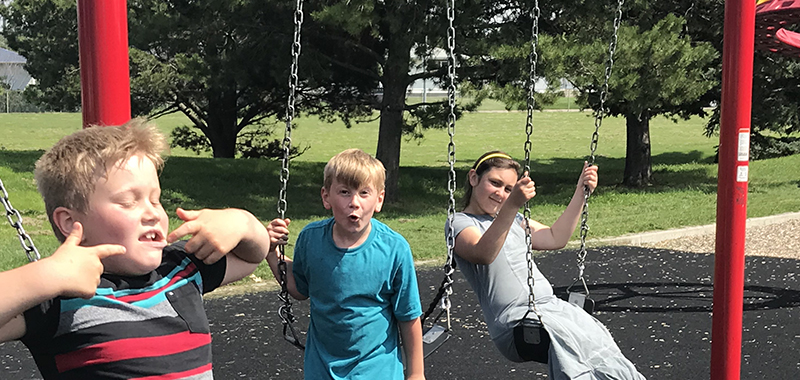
{"points": [[41, 322], [212, 275], [406, 303], [460, 222], [299, 263]]}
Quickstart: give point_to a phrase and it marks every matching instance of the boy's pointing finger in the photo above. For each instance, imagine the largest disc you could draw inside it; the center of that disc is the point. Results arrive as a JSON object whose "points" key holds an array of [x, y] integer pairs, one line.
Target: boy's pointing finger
{"points": [[182, 230], [187, 215], [107, 250]]}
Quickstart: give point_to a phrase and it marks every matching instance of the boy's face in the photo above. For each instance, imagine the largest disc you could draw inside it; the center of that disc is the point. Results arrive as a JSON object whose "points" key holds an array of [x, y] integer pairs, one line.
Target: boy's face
{"points": [[352, 208], [125, 209]]}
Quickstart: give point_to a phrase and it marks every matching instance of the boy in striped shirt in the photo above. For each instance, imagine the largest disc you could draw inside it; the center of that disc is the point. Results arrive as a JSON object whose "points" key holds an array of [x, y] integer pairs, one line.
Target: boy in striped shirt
{"points": [[146, 318]]}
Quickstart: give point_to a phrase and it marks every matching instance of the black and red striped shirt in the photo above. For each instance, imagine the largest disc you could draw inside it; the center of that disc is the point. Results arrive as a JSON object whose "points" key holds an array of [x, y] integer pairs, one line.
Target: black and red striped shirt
{"points": [[146, 327]]}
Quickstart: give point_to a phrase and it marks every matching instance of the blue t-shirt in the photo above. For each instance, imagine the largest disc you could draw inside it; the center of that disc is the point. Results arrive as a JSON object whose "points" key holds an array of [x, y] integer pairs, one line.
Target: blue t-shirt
{"points": [[357, 296]]}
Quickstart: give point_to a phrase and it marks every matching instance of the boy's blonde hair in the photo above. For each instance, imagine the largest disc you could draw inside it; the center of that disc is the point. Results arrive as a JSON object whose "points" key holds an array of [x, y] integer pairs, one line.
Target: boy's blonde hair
{"points": [[355, 168], [67, 173]]}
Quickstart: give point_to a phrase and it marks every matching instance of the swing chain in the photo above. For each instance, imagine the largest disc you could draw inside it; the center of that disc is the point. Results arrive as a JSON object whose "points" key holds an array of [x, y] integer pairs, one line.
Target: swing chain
{"points": [[449, 267], [612, 47], [533, 58], [15, 220], [290, 108], [285, 310]]}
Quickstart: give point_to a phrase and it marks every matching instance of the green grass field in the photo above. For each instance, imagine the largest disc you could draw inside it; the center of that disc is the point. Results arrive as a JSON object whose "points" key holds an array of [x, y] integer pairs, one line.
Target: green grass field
{"points": [[683, 193]]}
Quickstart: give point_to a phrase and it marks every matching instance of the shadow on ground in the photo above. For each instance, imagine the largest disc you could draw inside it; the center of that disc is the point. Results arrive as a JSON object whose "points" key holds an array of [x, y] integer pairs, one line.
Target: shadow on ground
{"points": [[657, 304]]}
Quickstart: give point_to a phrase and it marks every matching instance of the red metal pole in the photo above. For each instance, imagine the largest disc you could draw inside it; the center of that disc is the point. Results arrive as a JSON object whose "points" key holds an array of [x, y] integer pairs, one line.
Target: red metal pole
{"points": [[734, 148], [105, 77]]}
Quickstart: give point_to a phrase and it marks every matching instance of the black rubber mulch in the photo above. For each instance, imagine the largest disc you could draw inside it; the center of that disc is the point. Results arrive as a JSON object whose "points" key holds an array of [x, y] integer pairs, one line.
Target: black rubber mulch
{"points": [[656, 303]]}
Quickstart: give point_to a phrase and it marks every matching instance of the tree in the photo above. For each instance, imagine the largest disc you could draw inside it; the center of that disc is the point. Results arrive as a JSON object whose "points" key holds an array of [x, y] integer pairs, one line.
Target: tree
{"points": [[376, 40], [657, 69], [224, 64], [215, 61], [776, 79], [45, 32], [656, 72]]}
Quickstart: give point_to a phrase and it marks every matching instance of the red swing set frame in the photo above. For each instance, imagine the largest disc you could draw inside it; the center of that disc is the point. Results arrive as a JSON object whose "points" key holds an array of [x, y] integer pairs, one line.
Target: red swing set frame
{"points": [[105, 87]]}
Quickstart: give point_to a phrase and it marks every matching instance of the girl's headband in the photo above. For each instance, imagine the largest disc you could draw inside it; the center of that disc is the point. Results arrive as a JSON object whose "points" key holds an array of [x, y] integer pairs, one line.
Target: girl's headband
{"points": [[493, 155]]}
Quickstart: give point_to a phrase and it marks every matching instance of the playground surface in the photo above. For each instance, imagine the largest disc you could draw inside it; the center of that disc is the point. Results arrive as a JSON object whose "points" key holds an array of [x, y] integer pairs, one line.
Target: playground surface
{"points": [[655, 298], [656, 302]]}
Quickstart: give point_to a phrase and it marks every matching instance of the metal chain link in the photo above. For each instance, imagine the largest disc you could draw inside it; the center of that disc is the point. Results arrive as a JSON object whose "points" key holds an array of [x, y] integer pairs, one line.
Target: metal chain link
{"points": [[449, 267], [285, 310], [15, 219], [533, 58], [599, 114]]}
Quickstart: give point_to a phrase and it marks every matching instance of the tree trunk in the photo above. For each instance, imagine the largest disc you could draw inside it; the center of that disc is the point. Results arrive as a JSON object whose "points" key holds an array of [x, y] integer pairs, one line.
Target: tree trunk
{"points": [[638, 164], [222, 123], [395, 82]]}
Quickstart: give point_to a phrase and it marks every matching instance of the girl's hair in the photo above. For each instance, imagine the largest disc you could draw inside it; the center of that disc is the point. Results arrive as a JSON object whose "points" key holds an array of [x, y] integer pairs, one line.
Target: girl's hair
{"points": [[67, 173], [489, 160]]}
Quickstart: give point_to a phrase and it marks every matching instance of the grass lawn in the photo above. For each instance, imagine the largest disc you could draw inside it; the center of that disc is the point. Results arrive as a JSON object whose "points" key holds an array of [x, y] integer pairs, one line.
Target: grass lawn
{"points": [[683, 193]]}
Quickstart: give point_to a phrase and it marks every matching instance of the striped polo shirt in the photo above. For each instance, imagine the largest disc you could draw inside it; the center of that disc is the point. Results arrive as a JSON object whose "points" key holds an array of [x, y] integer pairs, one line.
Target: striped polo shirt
{"points": [[146, 327]]}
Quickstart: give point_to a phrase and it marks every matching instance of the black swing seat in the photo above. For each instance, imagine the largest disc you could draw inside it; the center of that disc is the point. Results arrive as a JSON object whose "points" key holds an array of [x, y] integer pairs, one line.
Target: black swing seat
{"points": [[433, 338], [581, 300], [532, 340]]}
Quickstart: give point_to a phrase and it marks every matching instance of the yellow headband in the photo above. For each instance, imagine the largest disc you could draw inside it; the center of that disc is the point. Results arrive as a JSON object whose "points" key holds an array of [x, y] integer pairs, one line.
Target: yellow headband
{"points": [[493, 155]]}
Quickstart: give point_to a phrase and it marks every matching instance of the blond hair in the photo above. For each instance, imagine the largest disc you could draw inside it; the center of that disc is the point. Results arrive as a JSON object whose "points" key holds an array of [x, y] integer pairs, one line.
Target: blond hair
{"points": [[67, 173], [355, 168]]}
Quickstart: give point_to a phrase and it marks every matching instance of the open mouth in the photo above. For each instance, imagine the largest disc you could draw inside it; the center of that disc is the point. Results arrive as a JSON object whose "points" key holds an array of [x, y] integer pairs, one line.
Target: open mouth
{"points": [[152, 236], [354, 218]]}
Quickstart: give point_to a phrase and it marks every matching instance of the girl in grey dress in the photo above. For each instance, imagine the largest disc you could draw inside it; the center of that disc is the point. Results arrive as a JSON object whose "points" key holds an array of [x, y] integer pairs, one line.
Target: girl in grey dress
{"points": [[491, 251]]}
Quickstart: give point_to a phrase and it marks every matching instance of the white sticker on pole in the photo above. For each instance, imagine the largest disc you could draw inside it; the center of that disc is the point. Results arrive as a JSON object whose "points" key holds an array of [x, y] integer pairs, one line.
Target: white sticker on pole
{"points": [[743, 153], [741, 173]]}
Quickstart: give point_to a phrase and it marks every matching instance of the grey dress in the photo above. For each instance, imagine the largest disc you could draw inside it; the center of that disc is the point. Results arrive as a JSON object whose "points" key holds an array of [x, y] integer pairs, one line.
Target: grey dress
{"points": [[581, 347]]}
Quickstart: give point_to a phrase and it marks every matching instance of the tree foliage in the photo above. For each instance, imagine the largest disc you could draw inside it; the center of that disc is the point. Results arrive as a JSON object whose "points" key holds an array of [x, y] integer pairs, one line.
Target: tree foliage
{"points": [[658, 69], [375, 40], [46, 34], [224, 64]]}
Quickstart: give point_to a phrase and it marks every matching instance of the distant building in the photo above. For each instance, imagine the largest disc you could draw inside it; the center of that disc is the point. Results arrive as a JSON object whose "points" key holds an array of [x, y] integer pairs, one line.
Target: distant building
{"points": [[12, 70], [426, 87], [438, 58]]}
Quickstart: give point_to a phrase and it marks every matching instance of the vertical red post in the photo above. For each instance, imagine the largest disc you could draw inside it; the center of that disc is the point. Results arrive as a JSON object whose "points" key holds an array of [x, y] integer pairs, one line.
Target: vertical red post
{"points": [[105, 76], [734, 149]]}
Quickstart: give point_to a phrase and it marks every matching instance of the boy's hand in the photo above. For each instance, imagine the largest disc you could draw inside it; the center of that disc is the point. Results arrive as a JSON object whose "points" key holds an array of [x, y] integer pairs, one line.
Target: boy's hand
{"points": [[79, 268], [278, 230], [523, 191], [214, 232], [588, 177]]}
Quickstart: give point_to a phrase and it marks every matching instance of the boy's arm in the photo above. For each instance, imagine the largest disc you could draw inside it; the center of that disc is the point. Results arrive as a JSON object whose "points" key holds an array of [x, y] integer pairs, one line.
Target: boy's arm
{"points": [[557, 236], [72, 271], [411, 333], [216, 233], [279, 235], [272, 259]]}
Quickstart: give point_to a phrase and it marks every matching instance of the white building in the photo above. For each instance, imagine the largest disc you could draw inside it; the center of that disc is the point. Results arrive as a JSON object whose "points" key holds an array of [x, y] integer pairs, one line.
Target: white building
{"points": [[12, 70], [426, 87]]}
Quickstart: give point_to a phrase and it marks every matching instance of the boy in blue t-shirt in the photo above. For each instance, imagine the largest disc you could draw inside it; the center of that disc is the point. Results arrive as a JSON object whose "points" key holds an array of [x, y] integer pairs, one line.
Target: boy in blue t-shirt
{"points": [[360, 277]]}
